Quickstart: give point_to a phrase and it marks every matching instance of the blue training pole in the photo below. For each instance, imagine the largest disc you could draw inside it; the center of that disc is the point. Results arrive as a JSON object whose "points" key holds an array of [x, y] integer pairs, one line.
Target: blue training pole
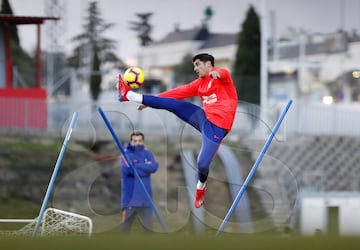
{"points": [[55, 171], [117, 140], [253, 169]]}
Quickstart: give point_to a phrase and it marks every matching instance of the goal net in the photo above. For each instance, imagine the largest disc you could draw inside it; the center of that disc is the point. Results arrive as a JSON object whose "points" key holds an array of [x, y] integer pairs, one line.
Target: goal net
{"points": [[55, 222]]}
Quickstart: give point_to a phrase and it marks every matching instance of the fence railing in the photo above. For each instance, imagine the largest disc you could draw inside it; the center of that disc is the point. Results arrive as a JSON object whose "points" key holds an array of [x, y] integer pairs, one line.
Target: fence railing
{"points": [[22, 115]]}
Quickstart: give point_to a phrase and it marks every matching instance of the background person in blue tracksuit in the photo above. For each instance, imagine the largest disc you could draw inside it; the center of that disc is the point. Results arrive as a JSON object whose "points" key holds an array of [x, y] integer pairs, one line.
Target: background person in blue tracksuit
{"points": [[134, 202]]}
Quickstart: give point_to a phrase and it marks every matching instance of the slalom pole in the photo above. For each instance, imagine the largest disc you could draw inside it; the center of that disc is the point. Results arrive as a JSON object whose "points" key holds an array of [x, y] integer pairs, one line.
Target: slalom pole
{"points": [[117, 140], [55, 171], [253, 169]]}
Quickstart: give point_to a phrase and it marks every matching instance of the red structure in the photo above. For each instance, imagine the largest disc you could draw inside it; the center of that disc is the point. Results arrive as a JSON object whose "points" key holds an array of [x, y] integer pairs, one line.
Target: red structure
{"points": [[21, 107]]}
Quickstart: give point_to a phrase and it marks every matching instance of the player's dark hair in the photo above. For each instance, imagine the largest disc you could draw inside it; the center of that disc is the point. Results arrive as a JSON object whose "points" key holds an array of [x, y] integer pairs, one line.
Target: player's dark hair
{"points": [[204, 57], [136, 133]]}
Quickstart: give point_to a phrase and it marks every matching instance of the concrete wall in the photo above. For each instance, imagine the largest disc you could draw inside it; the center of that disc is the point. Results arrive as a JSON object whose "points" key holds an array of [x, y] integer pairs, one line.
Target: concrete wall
{"points": [[314, 213]]}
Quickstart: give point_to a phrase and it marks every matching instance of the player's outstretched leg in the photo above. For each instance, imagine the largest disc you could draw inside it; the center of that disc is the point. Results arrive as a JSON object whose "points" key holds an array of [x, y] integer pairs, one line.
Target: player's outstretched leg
{"points": [[123, 89]]}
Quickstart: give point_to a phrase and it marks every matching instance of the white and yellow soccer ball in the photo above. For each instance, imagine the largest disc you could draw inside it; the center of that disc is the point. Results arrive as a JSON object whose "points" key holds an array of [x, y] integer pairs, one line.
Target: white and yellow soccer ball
{"points": [[134, 77]]}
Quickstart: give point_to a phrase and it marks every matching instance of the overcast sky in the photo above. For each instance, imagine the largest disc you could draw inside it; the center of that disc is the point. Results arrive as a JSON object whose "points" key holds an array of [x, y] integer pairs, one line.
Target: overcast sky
{"points": [[311, 15]]}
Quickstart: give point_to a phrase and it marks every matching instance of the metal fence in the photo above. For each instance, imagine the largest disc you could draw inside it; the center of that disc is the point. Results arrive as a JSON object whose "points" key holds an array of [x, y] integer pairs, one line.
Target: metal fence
{"points": [[303, 118]]}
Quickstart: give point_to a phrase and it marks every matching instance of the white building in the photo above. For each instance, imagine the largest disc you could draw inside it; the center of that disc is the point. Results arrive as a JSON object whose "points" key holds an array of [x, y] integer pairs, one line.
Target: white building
{"points": [[336, 213], [317, 66], [162, 56], [314, 67]]}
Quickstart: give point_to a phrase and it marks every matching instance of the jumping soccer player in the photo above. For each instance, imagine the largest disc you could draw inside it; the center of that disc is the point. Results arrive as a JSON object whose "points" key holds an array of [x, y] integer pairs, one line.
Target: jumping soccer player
{"points": [[214, 121]]}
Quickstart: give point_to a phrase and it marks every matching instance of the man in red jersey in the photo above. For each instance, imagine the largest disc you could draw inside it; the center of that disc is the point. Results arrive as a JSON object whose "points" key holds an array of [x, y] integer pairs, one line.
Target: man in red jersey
{"points": [[216, 90]]}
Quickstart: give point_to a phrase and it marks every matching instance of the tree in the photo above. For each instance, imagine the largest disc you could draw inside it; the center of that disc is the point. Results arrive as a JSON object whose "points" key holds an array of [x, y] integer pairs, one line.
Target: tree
{"points": [[246, 69], [93, 50], [22, 62], [6, 9], [143, 28], [184, 72], [95, 78]]}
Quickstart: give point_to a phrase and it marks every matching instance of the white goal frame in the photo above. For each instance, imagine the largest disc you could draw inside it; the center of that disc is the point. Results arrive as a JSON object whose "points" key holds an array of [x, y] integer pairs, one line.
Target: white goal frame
{"points": [[55, 222]]}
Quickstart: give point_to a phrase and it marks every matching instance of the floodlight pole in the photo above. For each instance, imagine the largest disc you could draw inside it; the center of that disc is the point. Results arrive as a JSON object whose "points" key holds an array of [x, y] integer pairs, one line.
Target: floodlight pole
{"points": [[264, 55]]}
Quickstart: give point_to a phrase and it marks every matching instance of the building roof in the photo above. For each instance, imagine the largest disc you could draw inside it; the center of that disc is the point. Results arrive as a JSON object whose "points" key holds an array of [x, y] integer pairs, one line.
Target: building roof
{"points": [[24, 19], [310, 49], [336, 43], [211, 40], [198, 33], [219, 40], [170, 50]]}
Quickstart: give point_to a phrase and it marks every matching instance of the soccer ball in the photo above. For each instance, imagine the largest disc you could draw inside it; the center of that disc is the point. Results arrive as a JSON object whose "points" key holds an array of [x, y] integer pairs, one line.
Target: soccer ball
{"points": [[134, 77]]}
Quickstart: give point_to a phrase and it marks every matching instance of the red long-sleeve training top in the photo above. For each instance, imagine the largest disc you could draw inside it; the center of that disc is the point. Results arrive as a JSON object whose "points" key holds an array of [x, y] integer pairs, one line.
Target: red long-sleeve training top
{"points": [[218, 96]]}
